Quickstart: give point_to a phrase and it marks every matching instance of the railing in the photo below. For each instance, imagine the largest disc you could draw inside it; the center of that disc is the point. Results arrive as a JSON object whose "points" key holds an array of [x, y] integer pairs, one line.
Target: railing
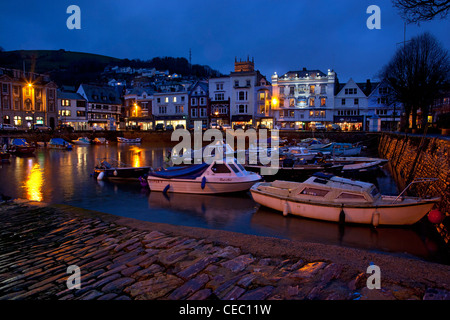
{"points": [[419, 180]]}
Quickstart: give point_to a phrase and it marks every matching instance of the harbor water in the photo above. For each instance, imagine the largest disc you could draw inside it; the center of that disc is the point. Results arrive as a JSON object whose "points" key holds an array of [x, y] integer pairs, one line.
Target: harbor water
{"points": [[65, 177]]}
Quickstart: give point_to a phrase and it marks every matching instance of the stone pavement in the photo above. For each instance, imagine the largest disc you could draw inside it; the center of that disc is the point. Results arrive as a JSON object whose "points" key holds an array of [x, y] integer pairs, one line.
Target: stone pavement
{"points": [[136, 261]]}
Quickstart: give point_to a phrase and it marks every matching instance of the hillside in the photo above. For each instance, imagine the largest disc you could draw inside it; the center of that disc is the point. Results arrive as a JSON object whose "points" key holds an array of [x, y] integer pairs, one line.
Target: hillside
{"points": [[73, 68]]}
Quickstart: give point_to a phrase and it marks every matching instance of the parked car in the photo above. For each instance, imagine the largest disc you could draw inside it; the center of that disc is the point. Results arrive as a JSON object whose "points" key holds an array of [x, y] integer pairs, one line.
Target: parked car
{"points": [[333, 127], [262, 126], [97, 128], [65, 127], [159, 127], [4, 126], [169, 127], [41, 127], [237, 126], [225, 127], [179, 126]]}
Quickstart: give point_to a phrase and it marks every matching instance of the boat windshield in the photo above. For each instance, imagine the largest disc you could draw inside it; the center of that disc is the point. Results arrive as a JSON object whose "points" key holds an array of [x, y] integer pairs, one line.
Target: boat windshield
{"points": [[240, 166], [374, 193]]}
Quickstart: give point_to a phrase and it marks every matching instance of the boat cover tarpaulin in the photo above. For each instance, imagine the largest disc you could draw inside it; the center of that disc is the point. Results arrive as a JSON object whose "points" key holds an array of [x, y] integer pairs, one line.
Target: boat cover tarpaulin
{"points": [[19, 142], [190, 172], [58, 141]]}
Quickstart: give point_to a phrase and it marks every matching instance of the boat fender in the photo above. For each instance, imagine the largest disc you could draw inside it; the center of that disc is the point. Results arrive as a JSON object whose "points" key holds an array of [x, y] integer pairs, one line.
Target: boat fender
{"points": [[285, 209], [376, 219], [115, 173], [342, 216], [101, 175], [203, 183], [166, 188]]}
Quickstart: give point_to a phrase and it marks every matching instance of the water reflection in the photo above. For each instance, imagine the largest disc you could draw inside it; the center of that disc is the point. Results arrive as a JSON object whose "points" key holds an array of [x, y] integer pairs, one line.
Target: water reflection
{"points": [[57, 176], [34, 183]]}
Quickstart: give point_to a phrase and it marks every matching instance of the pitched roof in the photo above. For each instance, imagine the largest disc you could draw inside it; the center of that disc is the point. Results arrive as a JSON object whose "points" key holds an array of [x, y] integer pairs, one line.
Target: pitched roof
{"points": [[98, 94], [305, 73], [69, 95]]}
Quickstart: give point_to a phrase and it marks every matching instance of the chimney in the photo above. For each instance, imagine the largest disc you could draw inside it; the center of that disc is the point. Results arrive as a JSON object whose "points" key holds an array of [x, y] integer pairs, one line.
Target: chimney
{"points": [[304, 69]]}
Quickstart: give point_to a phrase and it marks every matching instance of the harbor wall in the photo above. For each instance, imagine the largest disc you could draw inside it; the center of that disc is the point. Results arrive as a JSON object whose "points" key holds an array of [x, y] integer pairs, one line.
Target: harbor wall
{"points": [[414, 157]]}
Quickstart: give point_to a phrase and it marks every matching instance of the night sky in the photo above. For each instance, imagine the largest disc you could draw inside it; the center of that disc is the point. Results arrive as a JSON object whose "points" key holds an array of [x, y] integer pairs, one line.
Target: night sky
{"points": [[281, 35]]}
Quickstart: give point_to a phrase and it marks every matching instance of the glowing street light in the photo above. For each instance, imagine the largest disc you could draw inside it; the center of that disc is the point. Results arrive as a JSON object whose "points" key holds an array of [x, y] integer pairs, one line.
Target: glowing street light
{"points": [[274, 101]]}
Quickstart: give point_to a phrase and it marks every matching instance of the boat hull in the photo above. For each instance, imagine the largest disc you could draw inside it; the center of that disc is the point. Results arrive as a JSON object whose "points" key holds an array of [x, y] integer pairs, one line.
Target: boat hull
{"points": [[398, 214], [122, 173], [211, 186]]}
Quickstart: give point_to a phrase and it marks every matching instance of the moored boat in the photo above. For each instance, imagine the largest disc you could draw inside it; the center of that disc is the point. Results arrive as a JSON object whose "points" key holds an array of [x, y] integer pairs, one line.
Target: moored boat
{"points": [[21, 147], [336, 199], [59, 143], [113, 169], [217, 177], [99, 140], [338, 149], [82, 141], [125, 140]]}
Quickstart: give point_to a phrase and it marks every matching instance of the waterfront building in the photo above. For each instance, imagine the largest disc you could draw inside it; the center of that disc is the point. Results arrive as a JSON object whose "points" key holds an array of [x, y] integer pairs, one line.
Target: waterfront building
{"points": [[199, 104], [137, 108], [219, 89], [72, 109], [103, 106], [302, 98], [171, 108], [245, 84], [27, 98], [351, 105], [383, 114]]}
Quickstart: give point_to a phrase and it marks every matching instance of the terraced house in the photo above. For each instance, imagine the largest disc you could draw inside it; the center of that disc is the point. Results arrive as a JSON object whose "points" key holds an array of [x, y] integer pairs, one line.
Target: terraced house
{"points": [[103, 106], [27, 98]]}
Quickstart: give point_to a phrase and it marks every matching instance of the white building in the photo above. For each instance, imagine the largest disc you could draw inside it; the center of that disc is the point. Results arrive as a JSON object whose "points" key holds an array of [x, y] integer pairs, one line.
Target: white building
{"points": [[171, 108], [304, 97], [383, 114], [219, 96], [72, 109]]}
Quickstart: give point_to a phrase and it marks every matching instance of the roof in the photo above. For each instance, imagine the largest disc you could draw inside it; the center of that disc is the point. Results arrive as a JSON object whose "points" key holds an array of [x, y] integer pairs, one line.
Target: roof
{"points": [[305, 73], [69, 95], [200, 84], [97, 94]]}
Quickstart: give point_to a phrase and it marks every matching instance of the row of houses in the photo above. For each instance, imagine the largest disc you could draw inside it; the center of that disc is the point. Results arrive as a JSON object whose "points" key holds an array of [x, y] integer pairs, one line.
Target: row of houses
{"points": [[295, 100]]}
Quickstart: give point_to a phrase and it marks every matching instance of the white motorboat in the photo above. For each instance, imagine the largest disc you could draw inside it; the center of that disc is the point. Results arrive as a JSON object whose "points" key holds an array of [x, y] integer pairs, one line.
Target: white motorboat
{"points": [[300, 153], [217, 177], [331, 198], [82, 141], [211, 152], [125, 140]]}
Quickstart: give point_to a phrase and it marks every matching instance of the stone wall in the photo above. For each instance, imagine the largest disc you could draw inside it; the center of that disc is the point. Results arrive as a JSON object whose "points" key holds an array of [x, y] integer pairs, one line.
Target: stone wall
{"points": [[413, 157]]}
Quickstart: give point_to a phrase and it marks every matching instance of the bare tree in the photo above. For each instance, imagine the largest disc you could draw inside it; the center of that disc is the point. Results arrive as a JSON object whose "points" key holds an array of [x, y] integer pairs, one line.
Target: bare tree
{"points": [[417, 72], [422, 10]]}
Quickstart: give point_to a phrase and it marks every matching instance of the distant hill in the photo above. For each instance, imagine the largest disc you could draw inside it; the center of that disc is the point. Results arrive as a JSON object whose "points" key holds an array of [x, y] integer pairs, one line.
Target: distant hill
{"points": [[73, 68]]}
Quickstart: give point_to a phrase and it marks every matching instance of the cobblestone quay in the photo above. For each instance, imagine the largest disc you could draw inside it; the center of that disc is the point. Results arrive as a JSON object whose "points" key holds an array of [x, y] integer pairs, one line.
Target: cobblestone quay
{"points": [[127, 259]]}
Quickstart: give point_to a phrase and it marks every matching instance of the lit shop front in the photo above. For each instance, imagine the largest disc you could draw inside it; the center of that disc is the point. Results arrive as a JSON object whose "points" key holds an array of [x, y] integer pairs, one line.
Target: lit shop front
{"points": [[143, 123], [171, 120], [350, 123], [241, 120]]}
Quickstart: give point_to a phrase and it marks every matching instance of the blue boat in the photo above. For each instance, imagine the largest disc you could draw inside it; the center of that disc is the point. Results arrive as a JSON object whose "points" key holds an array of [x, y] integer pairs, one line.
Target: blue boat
{"points": [[338, 149], [59, 143]]}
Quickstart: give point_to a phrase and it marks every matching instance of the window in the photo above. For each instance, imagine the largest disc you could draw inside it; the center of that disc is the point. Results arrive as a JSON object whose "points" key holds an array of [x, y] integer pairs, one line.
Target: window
{"points": [[248, 83], [203, 112], [158, 100], [16, 90], [65, 113], [194, 112], [5, 103], [182, 99], [242, 95], [291, 90], [242, 108], [323, 101], [312, 89], [219, 86], [105, 107], [65, 103], [81, 113], [314, 192], [16, 104], [262, 96], [179, 109], [166, 100], [5, 88], [323, 88], [383, 91], [236, 83], [219, 97], [356, 101], [343, 102], [346, 195], [51, 93], [162, 109], [17, 120], [28, 104], [220, 168], [233, 167], [38, 106], [312, 102], [350, 91], [202, 101], [193, 101], [174, 99]]}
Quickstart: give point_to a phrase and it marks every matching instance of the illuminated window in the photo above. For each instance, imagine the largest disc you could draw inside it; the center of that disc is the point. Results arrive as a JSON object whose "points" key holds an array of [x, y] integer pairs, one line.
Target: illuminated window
{"points": [[323, 101], [17, 120], [311, 102], [174, 99], [166, 100], [312, 89]]}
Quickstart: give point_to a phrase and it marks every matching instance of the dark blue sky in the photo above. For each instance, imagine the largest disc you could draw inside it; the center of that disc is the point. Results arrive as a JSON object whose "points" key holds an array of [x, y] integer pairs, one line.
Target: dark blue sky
{"points": [[281, 35]]}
